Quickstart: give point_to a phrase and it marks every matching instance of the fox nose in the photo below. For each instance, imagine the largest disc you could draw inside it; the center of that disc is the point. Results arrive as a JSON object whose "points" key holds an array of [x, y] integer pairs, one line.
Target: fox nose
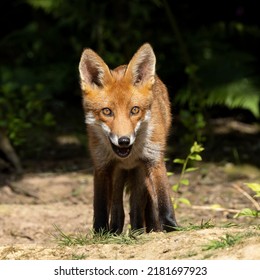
{"points": [[124, 141]]}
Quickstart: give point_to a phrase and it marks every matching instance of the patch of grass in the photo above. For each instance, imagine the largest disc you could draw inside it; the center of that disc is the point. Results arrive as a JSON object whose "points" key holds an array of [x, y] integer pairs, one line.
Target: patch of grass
{"points": [[203, 225], [229, 225], [81, 239], [227, 241]]}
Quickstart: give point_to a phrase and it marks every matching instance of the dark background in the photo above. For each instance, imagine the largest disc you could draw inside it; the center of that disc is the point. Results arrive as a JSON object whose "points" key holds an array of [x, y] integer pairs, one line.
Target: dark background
{"points": [[207, 55]]}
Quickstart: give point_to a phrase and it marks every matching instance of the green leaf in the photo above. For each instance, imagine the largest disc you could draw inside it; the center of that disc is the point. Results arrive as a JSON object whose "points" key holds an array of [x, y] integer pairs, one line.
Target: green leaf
{"points": [[195, 157], [178, 160], [247, 212], [233, 95], [191, 169], [185, 182], [196, 148], [175, 205], [254, 187], [170, 173], [184, 201], [175, 187]]}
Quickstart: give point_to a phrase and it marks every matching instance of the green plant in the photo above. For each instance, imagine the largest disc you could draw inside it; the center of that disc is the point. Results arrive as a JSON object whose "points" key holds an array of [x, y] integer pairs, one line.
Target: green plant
{"points": [[81, 239], [193, 156], [248, 212], [215, 78], [254, 187], [223, 242], [23, 104], [203, 225], [194, 121]]}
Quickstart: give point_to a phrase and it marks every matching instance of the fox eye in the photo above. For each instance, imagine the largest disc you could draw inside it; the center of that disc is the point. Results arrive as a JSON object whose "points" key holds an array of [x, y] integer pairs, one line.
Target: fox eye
{"points": [[107, 112], [135, 110]]}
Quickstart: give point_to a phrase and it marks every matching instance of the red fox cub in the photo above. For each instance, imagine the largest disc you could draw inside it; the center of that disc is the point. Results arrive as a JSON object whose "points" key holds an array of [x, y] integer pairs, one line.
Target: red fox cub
{"points": [[127, 113]]}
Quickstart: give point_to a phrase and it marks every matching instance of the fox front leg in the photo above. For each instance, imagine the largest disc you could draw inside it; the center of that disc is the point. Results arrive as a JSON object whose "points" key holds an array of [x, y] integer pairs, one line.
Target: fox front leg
{"points": [[102, 194], [117, 208], [143, 201], [158, 175]]}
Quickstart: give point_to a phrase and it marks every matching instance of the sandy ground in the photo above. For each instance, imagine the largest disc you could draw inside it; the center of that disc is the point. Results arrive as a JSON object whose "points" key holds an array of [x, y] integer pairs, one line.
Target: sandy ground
{"points": [[34, 206]]}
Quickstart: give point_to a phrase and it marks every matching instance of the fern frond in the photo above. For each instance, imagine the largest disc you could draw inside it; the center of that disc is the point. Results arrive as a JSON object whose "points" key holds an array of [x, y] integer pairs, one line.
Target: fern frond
{"points": [[237, 94]]}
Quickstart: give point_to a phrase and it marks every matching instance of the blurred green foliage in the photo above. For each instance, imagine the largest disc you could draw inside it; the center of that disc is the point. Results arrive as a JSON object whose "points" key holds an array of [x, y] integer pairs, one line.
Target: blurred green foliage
{"points": [[207, 54], [227, 73], [23, 104]]}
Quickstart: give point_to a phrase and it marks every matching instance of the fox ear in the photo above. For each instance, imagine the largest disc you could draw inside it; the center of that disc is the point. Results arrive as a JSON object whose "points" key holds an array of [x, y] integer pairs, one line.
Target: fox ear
{"points": [[93, 70], [141, 67]]}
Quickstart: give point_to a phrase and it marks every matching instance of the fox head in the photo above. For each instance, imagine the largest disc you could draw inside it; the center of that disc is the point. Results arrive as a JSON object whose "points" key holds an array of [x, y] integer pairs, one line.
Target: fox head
{"points": [[118, 102]]}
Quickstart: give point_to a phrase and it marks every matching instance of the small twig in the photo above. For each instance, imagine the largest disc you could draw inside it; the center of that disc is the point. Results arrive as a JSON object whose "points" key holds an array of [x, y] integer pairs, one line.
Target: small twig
{"points": [[21, 236], [220, 209], [18, 190], [255, 203]]}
